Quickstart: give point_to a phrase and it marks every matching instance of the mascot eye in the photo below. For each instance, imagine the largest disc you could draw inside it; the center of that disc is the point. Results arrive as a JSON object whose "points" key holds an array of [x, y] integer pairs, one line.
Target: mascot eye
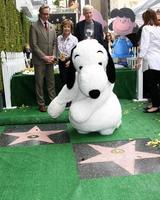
{"points": [[80, 67], [100, 63]]}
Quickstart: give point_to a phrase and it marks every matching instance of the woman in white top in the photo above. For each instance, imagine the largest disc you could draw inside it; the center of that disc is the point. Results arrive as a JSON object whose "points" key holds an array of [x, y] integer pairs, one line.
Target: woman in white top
{"points": [[150, 53], [66, 41]]}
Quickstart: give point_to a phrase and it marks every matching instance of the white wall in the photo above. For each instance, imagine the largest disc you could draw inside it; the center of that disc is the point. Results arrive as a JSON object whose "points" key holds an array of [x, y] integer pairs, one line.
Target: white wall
{"points": [[24, 3]]}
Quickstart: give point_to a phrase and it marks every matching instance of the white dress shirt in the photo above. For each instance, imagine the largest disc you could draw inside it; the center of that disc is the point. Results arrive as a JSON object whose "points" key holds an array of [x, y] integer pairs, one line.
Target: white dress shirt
{"points": [[65, 45], [150, 46]]}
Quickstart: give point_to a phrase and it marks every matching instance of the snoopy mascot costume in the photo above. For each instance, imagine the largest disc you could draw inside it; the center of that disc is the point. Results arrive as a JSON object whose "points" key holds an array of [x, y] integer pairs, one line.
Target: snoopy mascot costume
{"points": [[91, 77]]}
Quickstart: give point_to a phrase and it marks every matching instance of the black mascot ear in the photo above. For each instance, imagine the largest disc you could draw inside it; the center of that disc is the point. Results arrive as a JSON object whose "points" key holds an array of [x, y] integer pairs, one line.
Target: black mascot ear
{"points": [[71, 73], [110, 69]]}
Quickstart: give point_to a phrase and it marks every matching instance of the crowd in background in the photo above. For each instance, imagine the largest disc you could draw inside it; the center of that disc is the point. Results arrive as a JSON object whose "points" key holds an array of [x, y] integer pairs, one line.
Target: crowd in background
{"points": [[146, 40]]}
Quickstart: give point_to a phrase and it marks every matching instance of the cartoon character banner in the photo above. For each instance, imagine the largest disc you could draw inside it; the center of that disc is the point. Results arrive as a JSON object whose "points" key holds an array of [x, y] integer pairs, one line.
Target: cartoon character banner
{"points": [[123, 24]]}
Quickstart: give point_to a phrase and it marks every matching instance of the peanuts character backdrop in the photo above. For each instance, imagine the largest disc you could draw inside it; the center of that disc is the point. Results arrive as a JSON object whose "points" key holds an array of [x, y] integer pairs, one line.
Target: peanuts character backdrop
{"points": [[123, 24]]}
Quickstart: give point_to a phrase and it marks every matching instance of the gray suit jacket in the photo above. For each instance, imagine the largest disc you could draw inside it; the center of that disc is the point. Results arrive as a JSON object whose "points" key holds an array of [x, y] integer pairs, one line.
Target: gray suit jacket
{"points": [[42, 42]]}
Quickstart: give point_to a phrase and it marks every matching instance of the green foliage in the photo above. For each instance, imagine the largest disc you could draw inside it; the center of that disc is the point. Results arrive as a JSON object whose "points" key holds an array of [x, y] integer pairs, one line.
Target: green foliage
{"points": [[14, 29], [25, 28], [2, 26], [56, 2]]}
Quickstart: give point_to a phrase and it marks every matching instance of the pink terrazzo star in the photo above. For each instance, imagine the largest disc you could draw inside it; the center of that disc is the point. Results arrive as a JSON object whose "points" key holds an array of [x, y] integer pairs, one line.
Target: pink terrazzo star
{"points": [[124, 155], [33, 134]]}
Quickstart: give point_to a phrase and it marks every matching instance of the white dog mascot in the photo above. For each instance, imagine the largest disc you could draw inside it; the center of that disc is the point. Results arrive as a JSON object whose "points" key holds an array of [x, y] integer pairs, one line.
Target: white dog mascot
{"points": [[91, 77]]}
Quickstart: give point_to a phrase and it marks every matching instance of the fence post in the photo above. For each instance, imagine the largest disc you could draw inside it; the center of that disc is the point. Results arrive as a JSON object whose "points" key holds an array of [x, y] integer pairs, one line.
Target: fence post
{"points": [[12, 62]]}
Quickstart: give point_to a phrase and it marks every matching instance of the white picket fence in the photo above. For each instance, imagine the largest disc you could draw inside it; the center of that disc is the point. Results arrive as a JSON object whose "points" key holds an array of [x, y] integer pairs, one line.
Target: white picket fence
{"points": [[12, 62], [132, 62]]}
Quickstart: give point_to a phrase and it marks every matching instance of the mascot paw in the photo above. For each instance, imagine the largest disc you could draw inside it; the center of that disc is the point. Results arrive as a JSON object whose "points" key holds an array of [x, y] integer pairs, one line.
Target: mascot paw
{"points": [[107, 131], [55, 109]]}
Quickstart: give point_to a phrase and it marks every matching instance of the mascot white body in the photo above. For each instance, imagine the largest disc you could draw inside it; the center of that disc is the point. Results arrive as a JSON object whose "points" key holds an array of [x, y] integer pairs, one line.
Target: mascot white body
{"points": [[91, 77]]}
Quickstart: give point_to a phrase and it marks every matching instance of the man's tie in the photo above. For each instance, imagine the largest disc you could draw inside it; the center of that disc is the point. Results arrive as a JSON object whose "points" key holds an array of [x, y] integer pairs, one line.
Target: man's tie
{"points": [[45, 26]]}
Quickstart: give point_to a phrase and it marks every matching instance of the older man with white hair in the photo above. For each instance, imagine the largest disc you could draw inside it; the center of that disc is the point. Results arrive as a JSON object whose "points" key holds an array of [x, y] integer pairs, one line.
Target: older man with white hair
{"points": [[89, 28]]}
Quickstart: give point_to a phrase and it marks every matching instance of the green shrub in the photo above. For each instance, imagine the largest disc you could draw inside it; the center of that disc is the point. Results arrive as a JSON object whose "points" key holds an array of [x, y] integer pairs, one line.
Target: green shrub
{"points": [[14, 29]]}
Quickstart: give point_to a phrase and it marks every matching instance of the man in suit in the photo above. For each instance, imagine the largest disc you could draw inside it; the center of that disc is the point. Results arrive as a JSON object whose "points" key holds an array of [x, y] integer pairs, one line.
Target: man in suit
{"points": [[43, 45], [89, 28]]}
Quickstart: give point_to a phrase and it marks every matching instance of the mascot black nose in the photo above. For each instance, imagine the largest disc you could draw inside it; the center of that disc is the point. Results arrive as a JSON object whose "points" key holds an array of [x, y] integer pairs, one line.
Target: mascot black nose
{"points": [[94, 94]]}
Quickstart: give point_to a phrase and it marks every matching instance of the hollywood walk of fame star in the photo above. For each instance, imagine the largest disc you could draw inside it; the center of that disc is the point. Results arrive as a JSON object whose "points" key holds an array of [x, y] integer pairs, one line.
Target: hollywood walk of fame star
{"points": [[33, 134], [124, 156]]}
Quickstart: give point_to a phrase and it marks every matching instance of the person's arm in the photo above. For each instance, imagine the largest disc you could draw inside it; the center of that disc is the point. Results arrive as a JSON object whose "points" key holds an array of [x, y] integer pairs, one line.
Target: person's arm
{"points": [[100, 36], [144, 46], [55, 44], [101, 33], [33, 43], [77, 32], [145, 42]]}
